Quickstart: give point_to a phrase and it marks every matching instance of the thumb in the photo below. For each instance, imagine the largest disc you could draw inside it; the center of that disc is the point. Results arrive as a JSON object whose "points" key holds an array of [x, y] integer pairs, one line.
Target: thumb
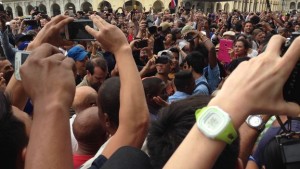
{"points": [[290, 109]]}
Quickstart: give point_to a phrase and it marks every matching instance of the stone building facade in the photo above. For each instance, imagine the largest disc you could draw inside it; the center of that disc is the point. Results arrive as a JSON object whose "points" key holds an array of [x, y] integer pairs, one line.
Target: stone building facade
{"points": [[55, 7]]}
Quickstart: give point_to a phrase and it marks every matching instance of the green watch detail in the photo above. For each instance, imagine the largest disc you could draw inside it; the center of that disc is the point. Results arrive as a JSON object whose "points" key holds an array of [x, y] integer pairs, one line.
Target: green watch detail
{"points": [[216, 124]]}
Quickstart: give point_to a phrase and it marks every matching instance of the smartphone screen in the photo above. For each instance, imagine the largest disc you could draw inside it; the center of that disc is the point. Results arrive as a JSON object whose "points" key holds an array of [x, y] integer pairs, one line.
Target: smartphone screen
{"points": [[20, 58], [75, 31], [142, 43]]}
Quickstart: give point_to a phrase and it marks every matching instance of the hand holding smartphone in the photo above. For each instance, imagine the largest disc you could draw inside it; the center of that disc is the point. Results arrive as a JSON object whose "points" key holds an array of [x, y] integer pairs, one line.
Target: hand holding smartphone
{"points": [[223, 54], [20, 58], [75, 31]]}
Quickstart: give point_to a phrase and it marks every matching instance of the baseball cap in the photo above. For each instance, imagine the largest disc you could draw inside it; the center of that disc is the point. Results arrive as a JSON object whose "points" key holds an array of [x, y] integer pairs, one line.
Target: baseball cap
{"points": [[164, 57], [186, 29], [77, 53], [23, 37], [229, 33], [165, 25], [23, 45]]}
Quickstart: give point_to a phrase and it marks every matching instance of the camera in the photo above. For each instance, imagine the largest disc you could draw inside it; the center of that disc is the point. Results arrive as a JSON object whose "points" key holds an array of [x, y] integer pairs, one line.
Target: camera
{"points": [[20, 58], [291, 89], [75, 31], [141, 44]]}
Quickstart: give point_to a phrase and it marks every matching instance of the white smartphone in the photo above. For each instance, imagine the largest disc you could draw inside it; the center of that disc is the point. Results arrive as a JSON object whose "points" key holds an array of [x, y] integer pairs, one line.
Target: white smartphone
{"points": [[75, 31], [20, 58]]}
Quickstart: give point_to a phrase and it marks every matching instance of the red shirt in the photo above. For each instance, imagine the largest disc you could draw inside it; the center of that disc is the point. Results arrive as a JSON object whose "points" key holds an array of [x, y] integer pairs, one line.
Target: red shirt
{"points": [[78, 160]]}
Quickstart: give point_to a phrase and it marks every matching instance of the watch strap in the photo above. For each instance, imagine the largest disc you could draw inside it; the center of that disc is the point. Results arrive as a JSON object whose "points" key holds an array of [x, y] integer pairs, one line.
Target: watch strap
{"points": [[228, 135]]}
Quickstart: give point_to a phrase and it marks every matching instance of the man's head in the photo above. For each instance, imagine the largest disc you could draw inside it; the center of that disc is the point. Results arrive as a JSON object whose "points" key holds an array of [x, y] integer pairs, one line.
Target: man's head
{"points": [[14, 25], [6, 68], [96, 71], [85, 97], [196, 62], [88, 130], [109, 103], [184, 82], [172, 126], [14, 134], [163, 62], [248, 28], [79, 54], [170, 39], [154, 87]]}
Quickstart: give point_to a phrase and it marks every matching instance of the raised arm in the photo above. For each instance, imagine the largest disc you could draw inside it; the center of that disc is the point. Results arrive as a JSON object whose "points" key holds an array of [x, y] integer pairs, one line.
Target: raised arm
{"points": [[48, 78], [266, 97], [49, 34], [133, 114]]}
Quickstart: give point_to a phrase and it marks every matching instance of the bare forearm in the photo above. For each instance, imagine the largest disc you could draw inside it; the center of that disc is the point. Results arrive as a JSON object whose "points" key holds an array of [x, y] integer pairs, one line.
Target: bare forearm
{"points": [[212, 57], [202, 147], [248, 137], [17, 94], [49, 137], [131, 93]]}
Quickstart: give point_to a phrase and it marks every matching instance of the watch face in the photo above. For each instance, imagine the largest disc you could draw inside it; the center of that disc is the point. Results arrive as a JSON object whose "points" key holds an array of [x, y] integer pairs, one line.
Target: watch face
{"points": [[213, 123], [255, 121]]}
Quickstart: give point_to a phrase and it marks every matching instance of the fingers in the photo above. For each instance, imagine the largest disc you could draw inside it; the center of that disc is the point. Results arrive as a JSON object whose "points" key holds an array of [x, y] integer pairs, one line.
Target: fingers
{"points": [[91, 31], [275, 44], [63, 22], [70, 63], [57, 56], [290, 109], [57, 19], [291, 57], [98, 21], [45, 50]]}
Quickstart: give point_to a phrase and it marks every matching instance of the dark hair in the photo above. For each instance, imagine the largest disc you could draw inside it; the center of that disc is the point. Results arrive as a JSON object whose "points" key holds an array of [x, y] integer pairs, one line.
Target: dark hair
{"points": [[245, 42], [172, 126], [182, 80], [109, 99], [173, 37], [197, 61], [96, 62], [151, 86], [13, 137], [235, 63], [175, 50], [248, 22], [238, 27]]}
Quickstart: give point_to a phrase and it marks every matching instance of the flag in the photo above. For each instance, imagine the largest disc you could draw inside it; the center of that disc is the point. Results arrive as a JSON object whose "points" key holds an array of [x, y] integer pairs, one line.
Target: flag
{"points": [[174, 3]]}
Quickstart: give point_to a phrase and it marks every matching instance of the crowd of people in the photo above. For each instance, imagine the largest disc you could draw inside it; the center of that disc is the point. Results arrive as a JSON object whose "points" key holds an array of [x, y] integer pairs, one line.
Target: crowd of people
{"points": [[152, 90]]}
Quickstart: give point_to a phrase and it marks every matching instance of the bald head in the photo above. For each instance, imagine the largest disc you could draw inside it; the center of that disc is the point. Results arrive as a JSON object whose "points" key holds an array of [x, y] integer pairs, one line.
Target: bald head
{"points": [[88, 130], [85, 97]]}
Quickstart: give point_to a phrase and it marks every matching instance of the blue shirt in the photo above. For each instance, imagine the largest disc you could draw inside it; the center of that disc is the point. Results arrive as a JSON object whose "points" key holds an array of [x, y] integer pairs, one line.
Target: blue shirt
{"points": [[201, 89], [177, 96], [213, 77]]}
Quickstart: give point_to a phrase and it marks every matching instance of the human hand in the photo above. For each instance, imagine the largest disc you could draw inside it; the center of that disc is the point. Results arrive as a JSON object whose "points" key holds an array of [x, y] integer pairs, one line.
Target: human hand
{"points": [[50, 33], [47, 75], [261, 89], [2, 82], [158, 100], [111, 38], [151, 63]]}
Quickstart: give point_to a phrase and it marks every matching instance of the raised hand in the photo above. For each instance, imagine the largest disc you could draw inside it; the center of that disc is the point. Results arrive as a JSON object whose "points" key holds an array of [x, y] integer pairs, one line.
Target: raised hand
{"points": [[110, 36], [52, 73]]}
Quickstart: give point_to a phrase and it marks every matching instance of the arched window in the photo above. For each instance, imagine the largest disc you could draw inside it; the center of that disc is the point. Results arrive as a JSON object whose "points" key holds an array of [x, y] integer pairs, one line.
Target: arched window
{"points": [[86, 7], [19, 11], [55, 9]]}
